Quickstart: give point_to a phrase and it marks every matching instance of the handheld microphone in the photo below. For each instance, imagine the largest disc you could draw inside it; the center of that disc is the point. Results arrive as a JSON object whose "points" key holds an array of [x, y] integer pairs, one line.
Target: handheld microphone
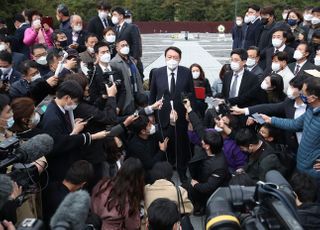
{"points": [[60, 64], [72, 213], [275, 177], [29, 151]]}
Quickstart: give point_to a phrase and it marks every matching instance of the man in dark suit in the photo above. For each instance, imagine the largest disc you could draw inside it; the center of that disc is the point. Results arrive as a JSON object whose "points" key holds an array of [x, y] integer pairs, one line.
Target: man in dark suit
{"points": [[17, 39], [98, 23], [301, 55], [279, 38], [8, 74], [76, 35], [252, 63], [239, 86], [170, 82]]}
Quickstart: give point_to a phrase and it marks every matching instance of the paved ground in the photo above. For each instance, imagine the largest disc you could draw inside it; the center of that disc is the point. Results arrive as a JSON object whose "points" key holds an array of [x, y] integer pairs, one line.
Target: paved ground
{"points": [[211, 51]]}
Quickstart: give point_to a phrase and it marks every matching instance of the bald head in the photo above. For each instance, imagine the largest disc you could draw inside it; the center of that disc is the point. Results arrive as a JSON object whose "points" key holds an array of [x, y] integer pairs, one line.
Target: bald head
{"points": [[76, 23]]}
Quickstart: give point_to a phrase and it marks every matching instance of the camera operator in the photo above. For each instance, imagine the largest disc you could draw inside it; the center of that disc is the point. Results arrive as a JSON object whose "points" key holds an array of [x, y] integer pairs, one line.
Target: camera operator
{"points": [[104, 73]]}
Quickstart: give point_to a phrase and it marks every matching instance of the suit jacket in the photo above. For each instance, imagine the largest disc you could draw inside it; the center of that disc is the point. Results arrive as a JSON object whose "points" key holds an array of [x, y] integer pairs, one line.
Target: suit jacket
{"points": [[282, 109], [81, 40], [252, 34], [86, 57], [95, 26], [131, 34], [250, 92], [17, 41], [159, 87], [258, 72], [17, 59], [308, 65], [118, 63]]}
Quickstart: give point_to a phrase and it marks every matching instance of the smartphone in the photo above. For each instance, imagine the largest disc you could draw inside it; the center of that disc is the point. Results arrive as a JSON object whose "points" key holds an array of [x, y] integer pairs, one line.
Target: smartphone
{"points": [[47, 20], [88, 119], [258, 118]]}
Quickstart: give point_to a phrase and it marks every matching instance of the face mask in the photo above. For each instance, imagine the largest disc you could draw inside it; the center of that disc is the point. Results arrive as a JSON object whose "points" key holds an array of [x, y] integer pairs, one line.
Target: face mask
{"points": [[42, 60], [315, 21], [195, 74], [172, 64], [152, 130], [35, 119], [10, 122], [307, 17], [297, 55], [103, 14], [252, 18], [264, 85], [304, 99], [90, 50], [36, 77], [238, 22], [64, 43], [264, 21], [218, 129], [275, 66], [77, 28], [36, 23], [128, 20], [125, 50], [250, 62], [276, 42], [317, 61], [115, 20], [292, 22], [70, 107], [246, 19], [110, 38], [105, 58], [284, 16], [235, 66], [5, 70], [3, 46], [290, 93]]}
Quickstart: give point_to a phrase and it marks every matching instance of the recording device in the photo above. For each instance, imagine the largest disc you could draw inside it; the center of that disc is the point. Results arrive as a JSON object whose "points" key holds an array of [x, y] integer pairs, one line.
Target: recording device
{"points": [[31, 224], [29, 151], [89, 118], [266, 206], [60, 64], [108, 79], [72, 212], [258, 118], [9, 143]]}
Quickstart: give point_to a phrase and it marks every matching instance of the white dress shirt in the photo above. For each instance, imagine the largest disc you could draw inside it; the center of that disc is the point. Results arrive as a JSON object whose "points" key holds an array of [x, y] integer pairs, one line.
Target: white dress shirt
{"points": [[169, 71]]}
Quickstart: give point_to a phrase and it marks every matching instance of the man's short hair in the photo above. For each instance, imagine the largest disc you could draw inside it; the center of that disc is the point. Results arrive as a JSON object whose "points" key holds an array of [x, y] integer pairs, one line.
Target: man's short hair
{"points": [[55, 34], [119, 10], [162, 214], [98, 45], [37, 46], [174, 48], [6, 56], [245, 137], [316, 9], [254, 6], [63, 9], [26, 65], [103, 5], [313, 86], [304, 186], [54, 53], [70, 88], [139, 124], [297, 82], [256, 49], [214, 139], [19, 18], [79, 172], [284, 32], [90, 35], [241, 52], [267, 10], [282, 56]]}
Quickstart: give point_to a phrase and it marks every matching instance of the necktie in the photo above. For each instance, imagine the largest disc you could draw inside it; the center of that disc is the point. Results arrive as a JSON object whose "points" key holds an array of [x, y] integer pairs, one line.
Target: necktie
{"points": [[68, 121], [172, 86], [105, 23], [276, 51], [233, 89], [297, 70], [118, 29]]}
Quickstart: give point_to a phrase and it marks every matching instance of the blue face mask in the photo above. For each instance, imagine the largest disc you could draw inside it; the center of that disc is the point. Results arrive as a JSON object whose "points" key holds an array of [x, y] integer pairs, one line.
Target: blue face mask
{"points": [[292, 22], [10, 122], [304, 98]]}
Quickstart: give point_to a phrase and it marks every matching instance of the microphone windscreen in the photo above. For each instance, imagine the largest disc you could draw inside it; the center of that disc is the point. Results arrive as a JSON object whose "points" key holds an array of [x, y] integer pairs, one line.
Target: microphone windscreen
{"points": [[6, 187], [72, 212], [36, 147], [275, 177]]}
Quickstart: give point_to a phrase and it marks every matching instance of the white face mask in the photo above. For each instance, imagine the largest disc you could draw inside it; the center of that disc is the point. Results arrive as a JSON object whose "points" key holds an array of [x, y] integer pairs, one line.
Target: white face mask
{"points": [[218, 129], [5, 70], [250, 62], [152, 130], [128, 20], [10, 123], [110, 38], [276, 42], [105, 58], [235, 66], [42, 60], [172, 64], [70, 107], [290, 93], [3, 47], [195, 74], [252, 18], [125, 50], [115, 20], [103, 14], [317, 61], [35, 119], [246, 19], [264, 85], [307, 17], [77, 28], [315, 21], [297, 55], [36, 77], [90, 50], [238, 22], [275, 66], [36, 23]]}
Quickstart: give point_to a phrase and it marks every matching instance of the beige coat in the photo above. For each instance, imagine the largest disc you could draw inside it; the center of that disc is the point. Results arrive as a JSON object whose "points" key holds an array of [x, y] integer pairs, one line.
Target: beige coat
{"points": [[166, 189]]}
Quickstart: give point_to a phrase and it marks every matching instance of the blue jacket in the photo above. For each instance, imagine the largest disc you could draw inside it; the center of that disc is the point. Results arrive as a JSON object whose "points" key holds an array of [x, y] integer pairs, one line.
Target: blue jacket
{"points": [[309, 148]]}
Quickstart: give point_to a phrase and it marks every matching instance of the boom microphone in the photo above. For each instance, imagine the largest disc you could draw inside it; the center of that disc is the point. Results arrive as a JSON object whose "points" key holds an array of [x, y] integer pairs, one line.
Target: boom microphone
{"points": [[29, 151], [72, 212], [275, 177]]}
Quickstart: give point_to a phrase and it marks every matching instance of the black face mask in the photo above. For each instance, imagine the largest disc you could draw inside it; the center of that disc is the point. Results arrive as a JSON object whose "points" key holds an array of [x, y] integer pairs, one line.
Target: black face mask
{"points": [[264, 21], [64, 43]]}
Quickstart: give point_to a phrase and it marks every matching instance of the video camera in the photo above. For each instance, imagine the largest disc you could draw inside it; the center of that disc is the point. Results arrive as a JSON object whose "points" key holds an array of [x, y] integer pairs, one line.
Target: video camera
{"points": [[109, 79], [267, 206]]}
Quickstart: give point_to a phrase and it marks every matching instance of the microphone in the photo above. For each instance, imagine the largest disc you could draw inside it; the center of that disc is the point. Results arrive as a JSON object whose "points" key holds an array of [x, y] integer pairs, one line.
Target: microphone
{"points": [[72, 213], [275, 177], [60, 64], [29, 151]]}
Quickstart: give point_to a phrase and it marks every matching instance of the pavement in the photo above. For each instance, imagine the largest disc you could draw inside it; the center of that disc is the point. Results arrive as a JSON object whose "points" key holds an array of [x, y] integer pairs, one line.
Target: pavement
{"points": [[209, 50]]}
